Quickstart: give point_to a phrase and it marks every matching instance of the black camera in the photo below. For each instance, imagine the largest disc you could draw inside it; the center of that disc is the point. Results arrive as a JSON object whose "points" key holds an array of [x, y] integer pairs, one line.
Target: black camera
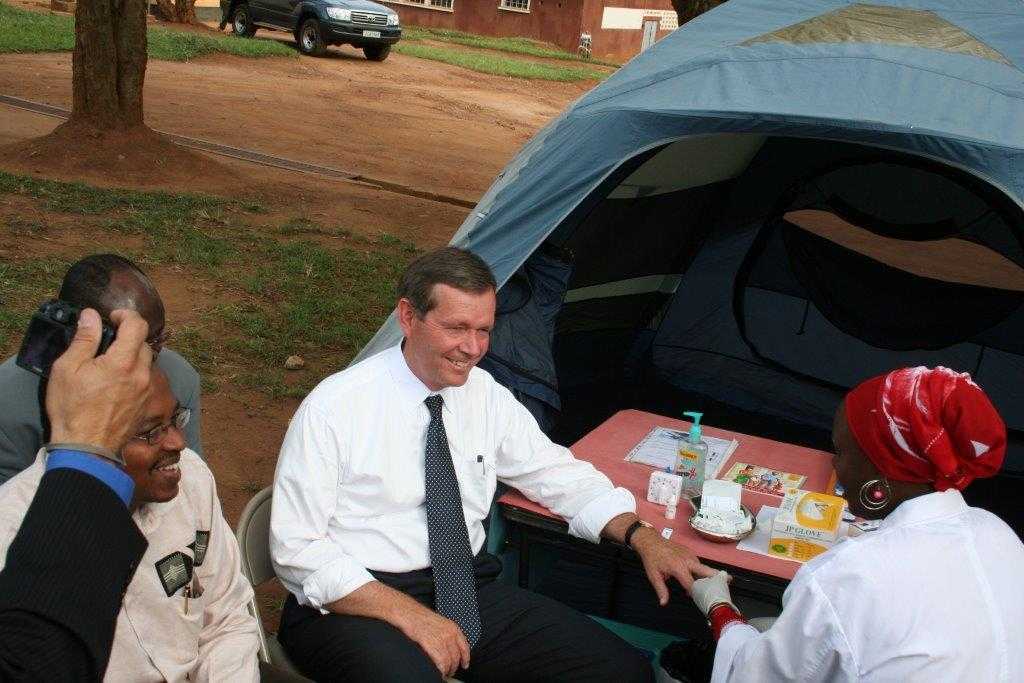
{"points": [[50, 332]]}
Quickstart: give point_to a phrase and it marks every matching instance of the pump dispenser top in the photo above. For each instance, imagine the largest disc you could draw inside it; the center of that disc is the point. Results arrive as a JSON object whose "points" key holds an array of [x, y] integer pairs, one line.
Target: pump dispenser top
{"points": [[695, 429]]}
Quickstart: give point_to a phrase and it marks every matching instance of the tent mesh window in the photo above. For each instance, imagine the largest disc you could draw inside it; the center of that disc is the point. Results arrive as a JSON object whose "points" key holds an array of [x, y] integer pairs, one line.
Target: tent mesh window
{"points": [[877, 265]]}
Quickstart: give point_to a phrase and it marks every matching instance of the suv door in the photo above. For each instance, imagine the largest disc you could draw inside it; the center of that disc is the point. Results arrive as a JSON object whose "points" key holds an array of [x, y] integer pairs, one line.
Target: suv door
{"points": [[279, 12]]}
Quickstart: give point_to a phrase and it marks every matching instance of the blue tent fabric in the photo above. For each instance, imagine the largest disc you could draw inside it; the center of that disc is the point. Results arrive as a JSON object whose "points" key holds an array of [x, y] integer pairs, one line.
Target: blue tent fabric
{"points": [[712, 78], [959, 109], [963, 110]]}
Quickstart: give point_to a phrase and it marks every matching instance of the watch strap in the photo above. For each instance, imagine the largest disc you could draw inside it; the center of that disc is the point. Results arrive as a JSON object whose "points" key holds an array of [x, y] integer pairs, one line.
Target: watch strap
{"points": [[628, 536]]}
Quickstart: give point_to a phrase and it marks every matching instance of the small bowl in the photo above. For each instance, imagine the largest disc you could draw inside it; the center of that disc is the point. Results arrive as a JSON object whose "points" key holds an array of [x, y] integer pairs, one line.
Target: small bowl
{"points": [[721, 538]]}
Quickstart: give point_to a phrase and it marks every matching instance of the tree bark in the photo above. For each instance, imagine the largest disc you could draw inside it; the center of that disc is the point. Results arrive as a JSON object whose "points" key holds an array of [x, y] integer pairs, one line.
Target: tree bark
{"points": [[165, 10], [688, 9], [182, 11], [109, 64], [185, 11]]}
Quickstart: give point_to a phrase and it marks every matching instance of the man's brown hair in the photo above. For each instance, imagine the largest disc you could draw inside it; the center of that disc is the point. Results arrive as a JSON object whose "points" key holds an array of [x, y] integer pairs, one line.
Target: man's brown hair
{"points": [[450, 266]]}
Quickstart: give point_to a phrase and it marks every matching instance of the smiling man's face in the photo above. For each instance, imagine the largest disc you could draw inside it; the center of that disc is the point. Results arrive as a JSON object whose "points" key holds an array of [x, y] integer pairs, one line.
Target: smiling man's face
{"points": [[154, 467], [442, 346]]}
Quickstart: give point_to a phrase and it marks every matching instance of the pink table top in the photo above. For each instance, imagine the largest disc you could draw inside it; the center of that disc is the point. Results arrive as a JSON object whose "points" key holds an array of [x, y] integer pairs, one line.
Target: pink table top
{"points": [[607, 446]]}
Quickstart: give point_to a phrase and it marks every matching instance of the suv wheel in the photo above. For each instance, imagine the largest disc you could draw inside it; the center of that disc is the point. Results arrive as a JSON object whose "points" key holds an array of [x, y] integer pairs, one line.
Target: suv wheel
{"points": [[241, 21], [377, 53], [311, 38]]}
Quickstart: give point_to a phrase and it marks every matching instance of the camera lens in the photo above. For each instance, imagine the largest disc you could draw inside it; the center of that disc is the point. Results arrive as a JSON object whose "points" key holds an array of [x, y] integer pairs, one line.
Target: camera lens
{"points": [[59, 315]]}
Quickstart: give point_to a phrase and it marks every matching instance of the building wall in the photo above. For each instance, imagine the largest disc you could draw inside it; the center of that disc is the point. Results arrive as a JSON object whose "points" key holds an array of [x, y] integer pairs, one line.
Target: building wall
{"points": [[616, 26], [555, 21]]}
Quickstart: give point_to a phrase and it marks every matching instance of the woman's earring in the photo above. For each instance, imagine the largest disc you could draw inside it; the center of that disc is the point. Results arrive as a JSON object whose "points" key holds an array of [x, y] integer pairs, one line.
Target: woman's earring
{"points": [[875, 494]]}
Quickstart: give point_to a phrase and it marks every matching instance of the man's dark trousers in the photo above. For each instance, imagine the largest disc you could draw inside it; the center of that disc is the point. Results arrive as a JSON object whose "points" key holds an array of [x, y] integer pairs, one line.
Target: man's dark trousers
{"points": [[526, 637]]}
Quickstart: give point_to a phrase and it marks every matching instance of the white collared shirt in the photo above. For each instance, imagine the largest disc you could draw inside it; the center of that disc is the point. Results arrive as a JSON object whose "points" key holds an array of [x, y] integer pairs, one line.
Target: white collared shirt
{"points": [[349, 488], [934, 595], [159, 636]]}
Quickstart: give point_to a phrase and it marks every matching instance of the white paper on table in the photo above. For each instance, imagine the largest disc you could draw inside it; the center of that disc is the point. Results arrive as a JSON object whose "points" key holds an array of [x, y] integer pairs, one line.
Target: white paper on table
{"points": [[720, 496], [757, 542], [660, 448]]}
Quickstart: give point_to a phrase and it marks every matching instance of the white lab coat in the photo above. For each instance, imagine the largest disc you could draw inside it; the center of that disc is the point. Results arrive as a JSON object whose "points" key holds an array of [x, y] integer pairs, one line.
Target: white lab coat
{"points": [[933, 595]]}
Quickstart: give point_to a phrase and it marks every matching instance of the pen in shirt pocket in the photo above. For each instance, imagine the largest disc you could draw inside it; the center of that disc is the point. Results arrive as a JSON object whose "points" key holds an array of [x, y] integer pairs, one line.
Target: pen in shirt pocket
{"points": [[483, 466]]}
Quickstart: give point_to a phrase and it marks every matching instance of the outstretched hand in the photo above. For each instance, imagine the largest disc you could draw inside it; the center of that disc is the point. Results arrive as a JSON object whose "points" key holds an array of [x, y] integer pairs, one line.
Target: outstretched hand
{"points": [[664, 560]]}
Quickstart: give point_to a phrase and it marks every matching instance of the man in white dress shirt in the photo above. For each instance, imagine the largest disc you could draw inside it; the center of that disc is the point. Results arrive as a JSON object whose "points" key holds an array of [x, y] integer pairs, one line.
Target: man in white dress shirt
{"points": [[384, 479]]}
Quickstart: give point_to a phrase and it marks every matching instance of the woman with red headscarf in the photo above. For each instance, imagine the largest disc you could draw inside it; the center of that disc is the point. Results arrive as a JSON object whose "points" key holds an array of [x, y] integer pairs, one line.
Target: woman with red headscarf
{"points": [[936, 592]]}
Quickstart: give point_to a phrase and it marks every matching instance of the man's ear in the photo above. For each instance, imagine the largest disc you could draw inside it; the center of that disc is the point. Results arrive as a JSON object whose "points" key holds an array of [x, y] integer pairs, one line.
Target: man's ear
{"points": [[406, 313]]}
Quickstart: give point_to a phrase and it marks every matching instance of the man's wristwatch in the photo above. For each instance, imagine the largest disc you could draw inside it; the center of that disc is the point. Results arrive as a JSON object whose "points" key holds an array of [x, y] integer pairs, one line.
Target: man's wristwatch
{"points": [[632, 530]]}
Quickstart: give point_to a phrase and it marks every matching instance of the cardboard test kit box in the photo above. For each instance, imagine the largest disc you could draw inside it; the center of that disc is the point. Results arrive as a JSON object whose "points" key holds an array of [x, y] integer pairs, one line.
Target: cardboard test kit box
{"points": [[806, 526]]}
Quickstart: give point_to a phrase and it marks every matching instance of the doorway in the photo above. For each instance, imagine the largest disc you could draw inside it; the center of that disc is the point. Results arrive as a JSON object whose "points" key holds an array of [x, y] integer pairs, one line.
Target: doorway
{"points": [[650, 31]]}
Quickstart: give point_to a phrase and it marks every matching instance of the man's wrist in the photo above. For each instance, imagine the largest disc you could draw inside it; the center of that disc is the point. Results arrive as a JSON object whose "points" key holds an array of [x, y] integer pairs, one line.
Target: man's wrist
{"points": [[84, 447], [637, 526], [643, 538], [101, 469]]}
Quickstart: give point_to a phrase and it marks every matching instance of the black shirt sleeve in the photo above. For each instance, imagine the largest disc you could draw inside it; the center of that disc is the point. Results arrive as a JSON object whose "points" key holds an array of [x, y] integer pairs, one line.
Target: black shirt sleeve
{"points": [[65, 577]]}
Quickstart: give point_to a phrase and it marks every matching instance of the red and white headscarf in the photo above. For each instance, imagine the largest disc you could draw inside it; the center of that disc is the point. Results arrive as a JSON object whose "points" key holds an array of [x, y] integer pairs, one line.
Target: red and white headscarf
{"points": [[927, 426]]}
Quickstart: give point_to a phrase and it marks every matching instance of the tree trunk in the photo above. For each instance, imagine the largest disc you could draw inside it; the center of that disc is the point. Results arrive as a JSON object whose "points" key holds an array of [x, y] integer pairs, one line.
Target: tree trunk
{"points": [[165, 10], [688, 9], [182, 11], [185, 11], [109, 64]]}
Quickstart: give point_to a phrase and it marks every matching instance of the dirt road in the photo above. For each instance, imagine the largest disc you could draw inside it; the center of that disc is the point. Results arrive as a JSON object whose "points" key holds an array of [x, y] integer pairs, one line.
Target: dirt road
{"points": [[415, 122], [418, 123]]}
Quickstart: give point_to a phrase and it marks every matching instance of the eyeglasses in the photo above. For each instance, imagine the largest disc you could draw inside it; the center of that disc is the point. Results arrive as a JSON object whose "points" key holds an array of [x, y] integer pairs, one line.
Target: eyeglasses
{"points": [[156, 435], [156, 343]]}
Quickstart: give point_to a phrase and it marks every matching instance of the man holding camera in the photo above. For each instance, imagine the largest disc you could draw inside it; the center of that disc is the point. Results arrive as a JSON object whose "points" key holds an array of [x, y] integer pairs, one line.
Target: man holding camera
{"points": [[103, 282], [51, 626]]}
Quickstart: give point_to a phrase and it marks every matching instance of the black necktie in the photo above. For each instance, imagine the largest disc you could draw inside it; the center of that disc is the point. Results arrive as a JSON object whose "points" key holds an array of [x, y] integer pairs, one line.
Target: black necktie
{"points": [[450, 554]]}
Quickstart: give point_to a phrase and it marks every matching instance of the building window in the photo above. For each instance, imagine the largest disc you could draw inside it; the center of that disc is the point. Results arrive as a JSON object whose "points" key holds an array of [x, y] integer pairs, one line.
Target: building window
{"points": [[447, 5], [515, 5]]}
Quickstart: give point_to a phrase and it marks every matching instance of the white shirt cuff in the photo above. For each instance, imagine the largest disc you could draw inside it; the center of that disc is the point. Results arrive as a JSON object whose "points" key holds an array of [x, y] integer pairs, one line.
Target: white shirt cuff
{"points": [[328, 584], [595, 515]]}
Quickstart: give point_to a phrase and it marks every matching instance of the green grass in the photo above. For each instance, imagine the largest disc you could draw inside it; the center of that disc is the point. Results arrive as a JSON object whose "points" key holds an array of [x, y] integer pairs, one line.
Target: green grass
{"points": [[280, 291], [25, 31], [180, 46], [23, 286], [497, 65], [522, 46]]}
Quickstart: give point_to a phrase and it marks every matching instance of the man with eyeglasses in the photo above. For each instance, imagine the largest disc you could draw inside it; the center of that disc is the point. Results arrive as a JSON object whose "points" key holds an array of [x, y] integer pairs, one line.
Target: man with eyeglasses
{"points": [[185, 612], [104, 282]]}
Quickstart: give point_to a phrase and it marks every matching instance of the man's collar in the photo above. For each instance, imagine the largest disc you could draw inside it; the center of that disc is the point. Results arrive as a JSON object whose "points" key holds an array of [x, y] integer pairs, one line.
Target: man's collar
{"points": [[411, 388]]}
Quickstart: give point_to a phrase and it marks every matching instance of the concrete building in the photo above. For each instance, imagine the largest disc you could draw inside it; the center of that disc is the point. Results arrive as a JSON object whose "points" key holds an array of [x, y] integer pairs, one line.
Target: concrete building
{"points": [[610, 29]]}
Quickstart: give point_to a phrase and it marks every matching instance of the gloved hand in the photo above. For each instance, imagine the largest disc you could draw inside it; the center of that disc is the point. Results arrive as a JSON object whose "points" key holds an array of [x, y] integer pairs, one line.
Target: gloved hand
{"points": [[711, 591]]}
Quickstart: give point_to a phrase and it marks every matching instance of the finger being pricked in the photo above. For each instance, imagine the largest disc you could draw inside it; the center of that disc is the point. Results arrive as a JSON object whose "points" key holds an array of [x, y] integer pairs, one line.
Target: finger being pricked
{"points": [[688, 572]]}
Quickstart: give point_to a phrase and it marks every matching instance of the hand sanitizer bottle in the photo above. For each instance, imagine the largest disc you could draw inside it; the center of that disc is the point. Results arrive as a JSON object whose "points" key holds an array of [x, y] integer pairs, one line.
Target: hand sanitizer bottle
{"points": [[693, 454]]}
